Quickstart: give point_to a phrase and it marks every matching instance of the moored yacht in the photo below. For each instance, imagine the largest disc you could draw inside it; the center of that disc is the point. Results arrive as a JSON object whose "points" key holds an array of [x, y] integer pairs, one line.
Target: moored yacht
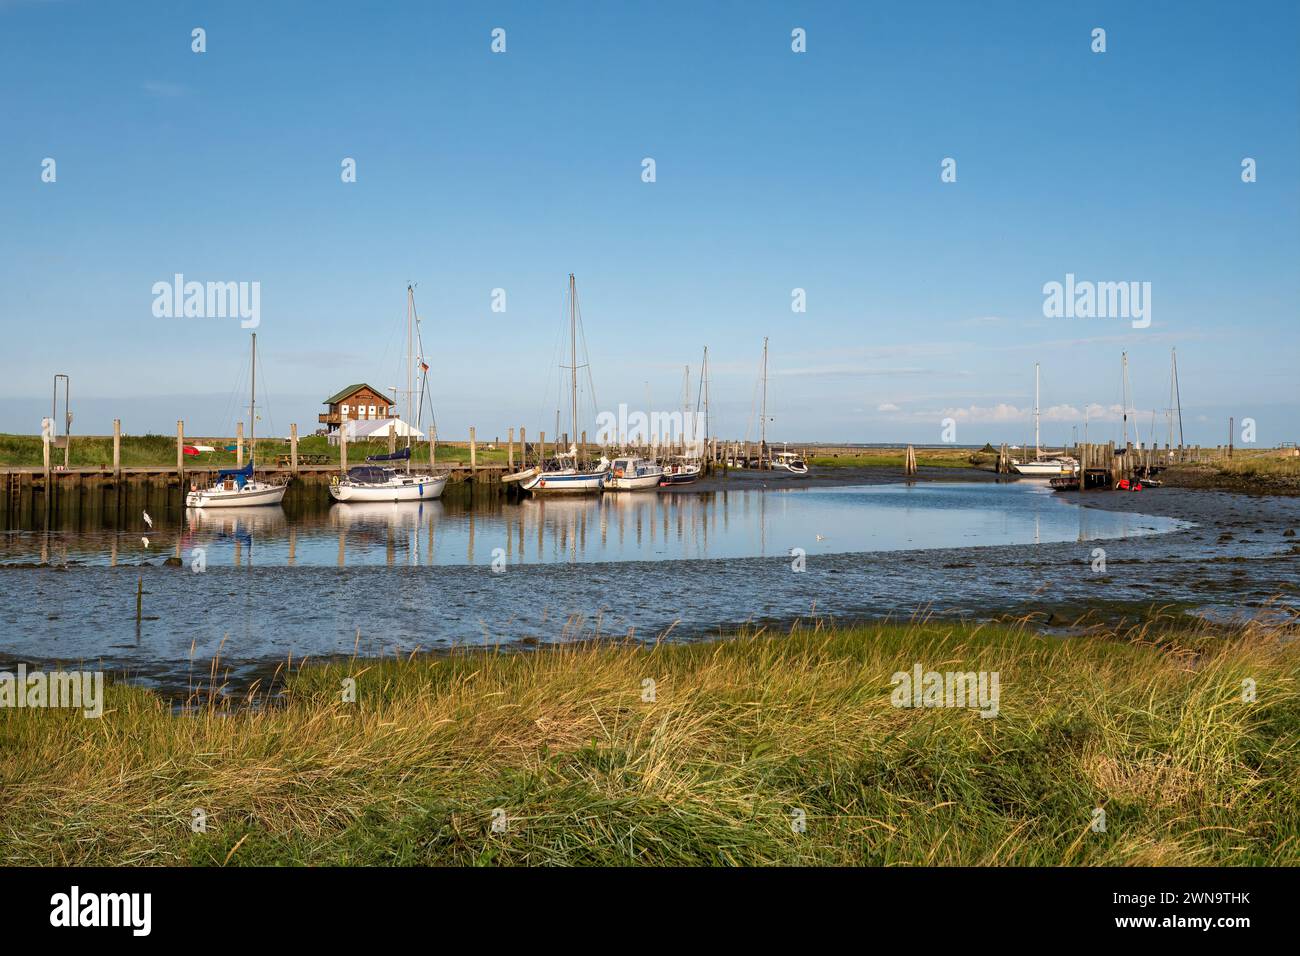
{"points": [[237, 487], [1043, 467], [682, 470], [789, 461], [379, 482], [561, 475], [633, 474]]}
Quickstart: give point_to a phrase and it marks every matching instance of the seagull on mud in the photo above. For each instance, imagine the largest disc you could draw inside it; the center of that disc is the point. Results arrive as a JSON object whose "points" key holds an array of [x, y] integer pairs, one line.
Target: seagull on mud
{"points": [[148, 521]]}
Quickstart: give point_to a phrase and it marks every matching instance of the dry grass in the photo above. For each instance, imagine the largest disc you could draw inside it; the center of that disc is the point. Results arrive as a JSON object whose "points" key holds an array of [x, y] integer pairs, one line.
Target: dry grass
{"points": [[1148, 724]]}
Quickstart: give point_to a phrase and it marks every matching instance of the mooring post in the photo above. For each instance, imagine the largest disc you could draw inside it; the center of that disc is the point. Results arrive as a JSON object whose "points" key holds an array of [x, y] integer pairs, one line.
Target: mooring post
{"points": [[117, 449], [392, 436], [523, 449], [343, 448], [582, 449], [293, 448], [433, 443], [541, 440], [510, 449], [473, 450], [239, 444], [180, 450]]}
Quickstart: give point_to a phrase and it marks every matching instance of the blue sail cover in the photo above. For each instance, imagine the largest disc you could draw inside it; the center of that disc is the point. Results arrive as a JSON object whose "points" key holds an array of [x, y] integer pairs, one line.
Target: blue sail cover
{"points": [[402, 455], [241, 475]]}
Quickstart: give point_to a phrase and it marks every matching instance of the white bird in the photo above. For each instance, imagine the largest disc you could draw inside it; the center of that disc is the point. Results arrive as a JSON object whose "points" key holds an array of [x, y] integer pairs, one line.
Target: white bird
{"points": [[821, 537], [148, 520], [145, 542]]}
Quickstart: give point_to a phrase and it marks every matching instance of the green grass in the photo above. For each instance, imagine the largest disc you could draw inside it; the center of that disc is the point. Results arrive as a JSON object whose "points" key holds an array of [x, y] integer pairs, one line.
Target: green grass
{"points": [[140, 451], [1147, 724], [895, 458]]}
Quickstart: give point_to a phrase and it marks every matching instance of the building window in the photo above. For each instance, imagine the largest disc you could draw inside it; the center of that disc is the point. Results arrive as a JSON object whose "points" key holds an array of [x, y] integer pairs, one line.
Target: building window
{"points": [[345, 411], [374, 411]]}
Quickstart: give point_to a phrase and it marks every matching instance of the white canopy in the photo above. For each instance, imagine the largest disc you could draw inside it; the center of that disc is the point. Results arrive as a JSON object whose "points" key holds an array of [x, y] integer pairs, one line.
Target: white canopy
{"points": [[363, 429]]}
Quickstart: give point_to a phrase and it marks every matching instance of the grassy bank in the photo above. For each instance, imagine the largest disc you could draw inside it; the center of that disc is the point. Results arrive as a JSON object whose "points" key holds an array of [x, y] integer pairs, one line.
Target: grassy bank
{"points": [[895, 458], [143, 451], [740, 734], [1262, 472]]}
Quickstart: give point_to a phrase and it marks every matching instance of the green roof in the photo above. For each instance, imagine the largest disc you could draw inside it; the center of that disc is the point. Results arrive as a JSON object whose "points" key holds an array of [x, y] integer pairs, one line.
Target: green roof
{"points": [[340, 395]]}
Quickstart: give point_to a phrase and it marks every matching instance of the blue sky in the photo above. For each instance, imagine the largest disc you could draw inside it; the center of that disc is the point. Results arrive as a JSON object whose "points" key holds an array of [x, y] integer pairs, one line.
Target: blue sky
{"points": [[775, 171]]}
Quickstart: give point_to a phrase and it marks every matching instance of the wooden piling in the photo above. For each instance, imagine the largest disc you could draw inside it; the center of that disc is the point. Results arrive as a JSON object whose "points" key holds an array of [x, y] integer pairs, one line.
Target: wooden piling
{"points": [[343, 449], [117, 448], [510, 449], [239, 444], [473, 449], [180, 450], [293, 448]]}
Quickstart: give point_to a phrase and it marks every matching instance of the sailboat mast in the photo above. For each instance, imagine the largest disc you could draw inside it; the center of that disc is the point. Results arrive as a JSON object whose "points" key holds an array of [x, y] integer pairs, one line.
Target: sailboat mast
{"points": [[704, 393], [762, 447], [1038, 452], [1124, 377], [410, 367], [252, 404], [1178, 396], [573, 352]]}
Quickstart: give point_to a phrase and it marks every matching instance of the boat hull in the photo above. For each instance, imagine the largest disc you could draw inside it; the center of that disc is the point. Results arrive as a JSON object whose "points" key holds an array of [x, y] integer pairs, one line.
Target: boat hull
{"points": [[573, 484], [249, 496], [680, 477], [416, 488], [1044, 469], [634, 483]]}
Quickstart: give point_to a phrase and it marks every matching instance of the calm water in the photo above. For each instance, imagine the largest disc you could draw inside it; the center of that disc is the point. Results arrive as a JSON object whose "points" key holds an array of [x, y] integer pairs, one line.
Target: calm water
{"points": [[610, 528], [378, 580]]}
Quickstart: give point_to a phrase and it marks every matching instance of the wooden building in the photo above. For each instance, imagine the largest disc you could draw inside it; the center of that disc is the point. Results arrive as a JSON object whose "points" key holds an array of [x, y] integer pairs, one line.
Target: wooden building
{"points": [[356, 403]]}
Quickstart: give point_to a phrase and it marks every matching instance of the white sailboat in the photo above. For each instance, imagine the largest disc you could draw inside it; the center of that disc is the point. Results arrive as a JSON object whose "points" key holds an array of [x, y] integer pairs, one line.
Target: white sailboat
{"points": [[564, 474], [1041, 467], [383, 481], [236, 487]]}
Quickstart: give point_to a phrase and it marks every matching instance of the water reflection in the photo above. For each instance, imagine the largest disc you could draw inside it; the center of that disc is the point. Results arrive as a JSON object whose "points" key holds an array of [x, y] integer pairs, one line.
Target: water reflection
{"points": [[623, 527]]}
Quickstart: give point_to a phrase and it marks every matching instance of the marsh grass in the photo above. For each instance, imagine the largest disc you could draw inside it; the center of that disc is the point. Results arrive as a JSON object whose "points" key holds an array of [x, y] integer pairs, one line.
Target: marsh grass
{"points": [[896, 457], [1147, 723], [159, 451]]}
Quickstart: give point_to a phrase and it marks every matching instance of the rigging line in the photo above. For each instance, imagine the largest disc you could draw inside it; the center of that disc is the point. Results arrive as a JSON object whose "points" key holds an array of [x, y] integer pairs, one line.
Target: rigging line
{"points": [[586, 360], [261, 373]]}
